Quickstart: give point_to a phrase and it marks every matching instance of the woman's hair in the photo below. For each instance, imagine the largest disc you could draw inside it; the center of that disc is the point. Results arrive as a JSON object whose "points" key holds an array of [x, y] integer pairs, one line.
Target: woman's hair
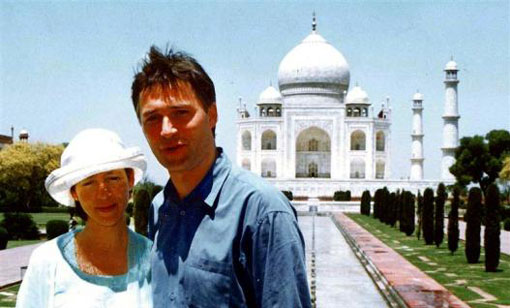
{"points": [[79, 211]]}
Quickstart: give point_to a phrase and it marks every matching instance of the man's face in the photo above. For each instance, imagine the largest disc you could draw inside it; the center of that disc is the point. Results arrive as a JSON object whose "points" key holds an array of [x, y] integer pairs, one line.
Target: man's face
{"points": [[178, 128]]}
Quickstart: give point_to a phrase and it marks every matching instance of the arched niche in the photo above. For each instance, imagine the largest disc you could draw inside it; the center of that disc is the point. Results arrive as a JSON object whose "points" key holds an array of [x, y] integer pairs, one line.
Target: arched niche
{"points": [[313, 153]]}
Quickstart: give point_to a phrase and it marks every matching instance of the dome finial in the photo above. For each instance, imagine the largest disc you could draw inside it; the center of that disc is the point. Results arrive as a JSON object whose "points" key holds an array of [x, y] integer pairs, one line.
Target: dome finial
{"points": [[314, 22]]}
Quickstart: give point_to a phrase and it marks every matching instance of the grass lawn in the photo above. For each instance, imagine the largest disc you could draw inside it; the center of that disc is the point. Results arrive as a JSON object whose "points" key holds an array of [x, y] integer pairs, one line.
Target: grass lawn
{"points": [[8, 296], [12, 244], [42, 218], [453, 272]]}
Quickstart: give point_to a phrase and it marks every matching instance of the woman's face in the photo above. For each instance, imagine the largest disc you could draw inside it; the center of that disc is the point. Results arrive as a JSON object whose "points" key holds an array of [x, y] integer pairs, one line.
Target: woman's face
{"points": [[104, 196]]}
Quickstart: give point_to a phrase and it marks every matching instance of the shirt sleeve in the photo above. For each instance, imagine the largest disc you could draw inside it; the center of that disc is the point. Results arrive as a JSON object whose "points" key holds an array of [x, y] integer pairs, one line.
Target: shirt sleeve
{"points": [[278, 262], [35, 288]]}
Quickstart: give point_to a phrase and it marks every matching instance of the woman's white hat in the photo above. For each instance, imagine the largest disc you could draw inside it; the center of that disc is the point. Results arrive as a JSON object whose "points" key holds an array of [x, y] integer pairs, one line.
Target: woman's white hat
{"points": [[90, 152]]}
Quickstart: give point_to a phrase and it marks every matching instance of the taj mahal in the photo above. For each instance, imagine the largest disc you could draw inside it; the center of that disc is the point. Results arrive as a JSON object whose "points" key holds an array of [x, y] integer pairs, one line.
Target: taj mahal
{"points": [[315, 135]]}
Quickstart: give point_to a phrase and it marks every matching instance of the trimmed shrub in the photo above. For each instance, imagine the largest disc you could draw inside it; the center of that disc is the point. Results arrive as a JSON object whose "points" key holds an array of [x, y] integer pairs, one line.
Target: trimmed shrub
{"points": [[453, 222], [492, 232], [408, 212], [341, 195], [378, 203], [365, 203], [20, 226], [473, 225], [142, 202], [428, 216], [4, 238], [55, 228], [393, 209], [506, 224], [386, 212], [288, 194], [420, 215], [129, 209], [505, 211], [441, 197]]}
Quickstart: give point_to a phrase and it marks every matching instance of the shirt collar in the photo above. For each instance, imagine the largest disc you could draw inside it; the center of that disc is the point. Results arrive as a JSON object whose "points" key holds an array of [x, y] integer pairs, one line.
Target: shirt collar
{"points": [[209, 187]]}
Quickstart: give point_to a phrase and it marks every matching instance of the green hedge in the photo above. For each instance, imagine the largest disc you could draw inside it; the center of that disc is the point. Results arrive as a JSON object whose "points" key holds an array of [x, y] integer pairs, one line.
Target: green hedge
{"points": [[4, 238], [341, 195], [55, 228], [55, 209], [20, 226]]}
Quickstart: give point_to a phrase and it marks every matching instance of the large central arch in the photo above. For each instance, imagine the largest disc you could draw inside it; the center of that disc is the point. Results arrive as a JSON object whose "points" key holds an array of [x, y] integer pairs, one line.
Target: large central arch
{"points": [[313, 154]]}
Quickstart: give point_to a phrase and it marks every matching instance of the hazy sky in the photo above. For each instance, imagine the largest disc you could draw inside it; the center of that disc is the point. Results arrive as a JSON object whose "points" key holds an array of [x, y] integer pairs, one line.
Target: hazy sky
{"points": [[66, 66]]}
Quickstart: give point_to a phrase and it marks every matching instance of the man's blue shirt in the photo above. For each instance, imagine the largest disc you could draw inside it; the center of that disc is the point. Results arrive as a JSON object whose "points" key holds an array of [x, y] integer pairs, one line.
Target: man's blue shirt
{"points": [[232, 242]]}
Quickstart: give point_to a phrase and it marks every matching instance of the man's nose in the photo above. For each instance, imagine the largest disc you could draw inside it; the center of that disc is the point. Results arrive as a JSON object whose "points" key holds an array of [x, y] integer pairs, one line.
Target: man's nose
{"points": [[167, 129]]}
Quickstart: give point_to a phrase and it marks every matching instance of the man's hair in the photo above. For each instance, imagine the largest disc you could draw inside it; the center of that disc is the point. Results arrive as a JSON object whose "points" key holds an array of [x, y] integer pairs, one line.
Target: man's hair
{"points": [[162, 72]]}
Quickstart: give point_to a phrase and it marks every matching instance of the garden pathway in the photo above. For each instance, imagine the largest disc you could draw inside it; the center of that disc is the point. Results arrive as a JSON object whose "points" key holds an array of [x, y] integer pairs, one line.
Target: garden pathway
{"points": [[504, 238], [339, 278], [11, 260]]}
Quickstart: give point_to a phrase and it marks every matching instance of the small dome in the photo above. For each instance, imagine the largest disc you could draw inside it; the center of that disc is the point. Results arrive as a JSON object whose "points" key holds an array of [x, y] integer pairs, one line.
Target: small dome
{"points": [[23, 133], [451, 65], [270, 96], [357, 96], [417, 96], [314, 61]]}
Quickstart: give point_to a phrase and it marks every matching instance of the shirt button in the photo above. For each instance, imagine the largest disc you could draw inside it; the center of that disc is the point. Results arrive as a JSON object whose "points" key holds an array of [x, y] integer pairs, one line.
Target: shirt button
{"points": [[182, 213]]}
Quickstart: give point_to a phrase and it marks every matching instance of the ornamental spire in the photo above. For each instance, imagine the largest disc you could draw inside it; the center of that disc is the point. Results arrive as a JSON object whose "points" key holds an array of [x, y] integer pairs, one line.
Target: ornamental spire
{"points": [[314, 23]]}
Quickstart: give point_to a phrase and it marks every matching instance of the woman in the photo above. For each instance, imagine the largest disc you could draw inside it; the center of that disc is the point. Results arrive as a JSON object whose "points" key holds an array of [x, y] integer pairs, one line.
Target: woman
{"points": [[103, 264]]}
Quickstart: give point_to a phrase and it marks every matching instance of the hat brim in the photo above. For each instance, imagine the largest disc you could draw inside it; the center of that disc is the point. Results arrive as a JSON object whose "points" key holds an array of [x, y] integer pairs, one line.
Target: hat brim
{"points": [[59, 182]]}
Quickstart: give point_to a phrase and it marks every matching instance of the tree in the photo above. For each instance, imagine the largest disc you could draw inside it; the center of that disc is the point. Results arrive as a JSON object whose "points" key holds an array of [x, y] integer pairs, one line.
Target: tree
{"points": [[504, 174], [393, 209], [143, 193], [378, 203], [365, 203], [408, 213], [23, 170], [473, 225], [480, 160], [492, 229], [420, 215], [439, 214], [428, 216], [453, 222]]}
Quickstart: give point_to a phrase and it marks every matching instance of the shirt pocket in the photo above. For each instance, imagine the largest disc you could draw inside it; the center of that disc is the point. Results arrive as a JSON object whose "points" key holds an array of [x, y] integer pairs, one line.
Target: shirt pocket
{"points": [[207, 283]]}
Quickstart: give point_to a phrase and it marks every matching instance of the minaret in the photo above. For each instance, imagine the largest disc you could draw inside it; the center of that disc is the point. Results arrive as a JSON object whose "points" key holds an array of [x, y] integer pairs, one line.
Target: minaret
{"points": [[417, 137], [451, 121]]}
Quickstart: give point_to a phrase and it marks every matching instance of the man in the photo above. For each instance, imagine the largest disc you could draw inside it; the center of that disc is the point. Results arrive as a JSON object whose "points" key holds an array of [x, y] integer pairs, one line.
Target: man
{"points": [[222, 236]]}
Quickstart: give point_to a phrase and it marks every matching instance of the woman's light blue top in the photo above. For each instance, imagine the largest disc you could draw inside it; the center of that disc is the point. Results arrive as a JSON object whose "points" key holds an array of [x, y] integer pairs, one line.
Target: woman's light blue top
{"points": [[54, 279]]}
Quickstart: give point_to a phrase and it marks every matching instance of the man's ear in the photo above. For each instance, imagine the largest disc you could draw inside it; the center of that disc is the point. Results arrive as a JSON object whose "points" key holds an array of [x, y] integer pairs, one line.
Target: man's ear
{"points": [[212, 112]]}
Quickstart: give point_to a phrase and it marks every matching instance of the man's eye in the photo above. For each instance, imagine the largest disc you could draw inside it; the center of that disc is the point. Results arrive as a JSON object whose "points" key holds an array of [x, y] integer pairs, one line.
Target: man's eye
{"points": [[151, 119], [113, 178], [181, 113]]}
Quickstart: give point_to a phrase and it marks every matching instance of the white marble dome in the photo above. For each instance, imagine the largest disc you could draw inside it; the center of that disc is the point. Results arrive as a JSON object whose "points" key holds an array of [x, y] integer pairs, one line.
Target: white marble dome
{"points": [[451, 65], [314, 61], [357, 96], [270, 96], [417, 96]]}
